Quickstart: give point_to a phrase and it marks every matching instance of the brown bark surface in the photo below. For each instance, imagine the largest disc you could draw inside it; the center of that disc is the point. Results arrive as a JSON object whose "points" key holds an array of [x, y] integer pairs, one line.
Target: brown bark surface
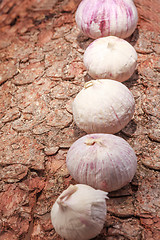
{"points": [[41, 71]]}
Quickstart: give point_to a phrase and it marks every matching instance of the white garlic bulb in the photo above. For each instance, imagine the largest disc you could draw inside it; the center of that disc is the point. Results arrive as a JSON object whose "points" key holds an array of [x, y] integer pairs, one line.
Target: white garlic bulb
{"points": [[102, 18], [79, 212], [103, 161], [110, 57], [103, 106]]}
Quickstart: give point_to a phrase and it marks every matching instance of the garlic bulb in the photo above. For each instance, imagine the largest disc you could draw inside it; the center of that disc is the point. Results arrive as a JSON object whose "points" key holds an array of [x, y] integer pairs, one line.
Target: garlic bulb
{"points": [[79, 212], [101, 18], [103, 161], [103, 106], [110, 57]]}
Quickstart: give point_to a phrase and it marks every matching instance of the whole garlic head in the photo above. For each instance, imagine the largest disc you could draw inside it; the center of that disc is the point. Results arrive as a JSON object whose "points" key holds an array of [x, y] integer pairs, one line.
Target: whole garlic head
{"points": [[103, 161], [102, 18], [103, 106], [79, 212], [110, 57]]}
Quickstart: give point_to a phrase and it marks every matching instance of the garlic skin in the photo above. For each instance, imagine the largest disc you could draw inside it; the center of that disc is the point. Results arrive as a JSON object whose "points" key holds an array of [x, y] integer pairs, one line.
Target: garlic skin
{"points": [[79, 212], [102, 18], [110, 58], [103, 161], [103, 106]]}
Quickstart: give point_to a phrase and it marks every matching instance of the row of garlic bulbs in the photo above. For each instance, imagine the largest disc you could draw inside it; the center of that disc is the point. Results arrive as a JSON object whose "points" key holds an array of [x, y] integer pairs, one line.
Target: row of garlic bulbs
{"points": [[103, 107]]}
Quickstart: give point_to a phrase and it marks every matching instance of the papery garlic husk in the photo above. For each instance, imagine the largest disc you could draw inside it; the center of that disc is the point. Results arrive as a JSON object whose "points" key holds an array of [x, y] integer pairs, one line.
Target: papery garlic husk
{"points": [[103, 106], [103, 161], [110, 58], [79, 212], [102, 18]]}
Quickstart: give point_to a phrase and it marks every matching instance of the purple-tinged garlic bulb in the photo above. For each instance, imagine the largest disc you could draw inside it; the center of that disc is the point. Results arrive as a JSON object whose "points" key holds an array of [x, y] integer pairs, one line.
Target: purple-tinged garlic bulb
{"points": [[110, 57], [79, 212], [103, 161], [103, 106], [101, 18]]}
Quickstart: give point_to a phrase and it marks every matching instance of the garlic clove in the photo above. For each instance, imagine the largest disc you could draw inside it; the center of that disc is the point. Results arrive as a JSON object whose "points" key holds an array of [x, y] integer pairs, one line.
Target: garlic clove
{"points": [[110, 58], [101, 18], [104, 106], [79, 212]]}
